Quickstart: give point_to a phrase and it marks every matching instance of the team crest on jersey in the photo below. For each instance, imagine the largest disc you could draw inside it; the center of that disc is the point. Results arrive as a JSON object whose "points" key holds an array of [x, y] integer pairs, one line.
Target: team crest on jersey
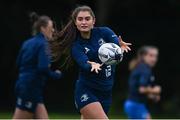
{"points": [[86, 50], [28, 104], [84, 98], [101, 41], [152, 78]]}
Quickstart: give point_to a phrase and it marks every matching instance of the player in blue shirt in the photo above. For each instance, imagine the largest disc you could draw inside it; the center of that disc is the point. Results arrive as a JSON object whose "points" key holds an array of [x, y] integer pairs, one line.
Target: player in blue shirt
{"points": [[142, 85], [94, 85], [34, 70]]}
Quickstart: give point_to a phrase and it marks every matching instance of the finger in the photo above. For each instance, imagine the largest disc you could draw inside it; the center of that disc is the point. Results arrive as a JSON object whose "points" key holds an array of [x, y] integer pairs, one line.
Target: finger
{"points": [[101, 64], [129, 48], [120, 39], [96, 70], [89, 62], [99, 68], [128, 43], [92, 63], [92, 69], [126, 50]]}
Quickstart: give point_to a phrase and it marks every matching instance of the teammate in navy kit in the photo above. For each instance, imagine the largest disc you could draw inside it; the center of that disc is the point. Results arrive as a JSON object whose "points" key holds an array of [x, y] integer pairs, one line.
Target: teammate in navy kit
{"points": [[34, 69], [94, 85], [142, 85]]}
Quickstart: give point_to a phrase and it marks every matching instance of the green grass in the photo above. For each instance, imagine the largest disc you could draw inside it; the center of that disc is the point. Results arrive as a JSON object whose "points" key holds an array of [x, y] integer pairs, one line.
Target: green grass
{"points": [[56, 115], [8, 115], [5, 115]]}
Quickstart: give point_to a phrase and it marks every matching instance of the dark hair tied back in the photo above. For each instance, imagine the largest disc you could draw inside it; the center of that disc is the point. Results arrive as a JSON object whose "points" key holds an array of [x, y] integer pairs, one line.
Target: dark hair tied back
{"points": [[33, 17], [38, 22]]}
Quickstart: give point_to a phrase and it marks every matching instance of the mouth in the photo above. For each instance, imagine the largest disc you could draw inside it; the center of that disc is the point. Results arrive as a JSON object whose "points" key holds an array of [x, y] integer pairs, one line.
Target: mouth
{"points": [[84, 27]]}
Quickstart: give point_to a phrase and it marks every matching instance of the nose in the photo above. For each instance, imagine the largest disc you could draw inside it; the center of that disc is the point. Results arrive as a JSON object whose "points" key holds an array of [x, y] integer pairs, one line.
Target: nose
{"points": [[83, 21]]}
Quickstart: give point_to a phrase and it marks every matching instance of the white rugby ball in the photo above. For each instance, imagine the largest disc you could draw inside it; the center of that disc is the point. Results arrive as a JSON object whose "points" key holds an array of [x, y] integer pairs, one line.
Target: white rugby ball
{"points": [[110, 53]]}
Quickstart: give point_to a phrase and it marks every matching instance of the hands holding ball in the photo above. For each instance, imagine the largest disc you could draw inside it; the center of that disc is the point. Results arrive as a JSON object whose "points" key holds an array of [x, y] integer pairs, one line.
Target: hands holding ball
{"points": [[110, 54]]}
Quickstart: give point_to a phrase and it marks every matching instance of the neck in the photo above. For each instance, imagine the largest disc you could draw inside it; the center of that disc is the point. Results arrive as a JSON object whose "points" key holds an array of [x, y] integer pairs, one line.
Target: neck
{"points": [[45, 36], [86, 35]]}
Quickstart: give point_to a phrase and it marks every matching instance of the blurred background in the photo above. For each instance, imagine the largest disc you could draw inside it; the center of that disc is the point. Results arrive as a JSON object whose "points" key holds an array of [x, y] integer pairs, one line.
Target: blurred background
{"points": [[141, 22]]}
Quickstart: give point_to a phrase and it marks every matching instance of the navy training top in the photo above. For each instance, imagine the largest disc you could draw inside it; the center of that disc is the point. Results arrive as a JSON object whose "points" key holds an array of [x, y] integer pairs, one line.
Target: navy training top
{"points": [[84, 50], [33, 62], [140, 76]]}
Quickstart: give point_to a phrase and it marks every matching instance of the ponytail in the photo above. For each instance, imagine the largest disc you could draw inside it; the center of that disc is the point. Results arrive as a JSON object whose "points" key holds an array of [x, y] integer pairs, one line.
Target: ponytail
{"points": [[38, 22], [33, 17], [61, 44]]}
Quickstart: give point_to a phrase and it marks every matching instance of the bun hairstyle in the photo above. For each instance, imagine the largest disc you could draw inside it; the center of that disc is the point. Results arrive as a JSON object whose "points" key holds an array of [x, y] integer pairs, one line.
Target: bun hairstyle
{"points": [[38, 22], [139, 56]]}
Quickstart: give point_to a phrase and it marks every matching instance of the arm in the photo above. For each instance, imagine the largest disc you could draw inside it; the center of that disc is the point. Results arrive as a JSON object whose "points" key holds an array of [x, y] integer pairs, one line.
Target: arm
{"points": [[109, 35], [146, 88], [44, 67], [112, 37], [150, 90], [82, 60], [80, 57], [154, 93]]}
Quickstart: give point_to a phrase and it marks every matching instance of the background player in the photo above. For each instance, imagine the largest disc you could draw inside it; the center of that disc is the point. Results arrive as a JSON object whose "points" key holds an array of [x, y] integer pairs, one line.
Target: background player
{"points": [[142, 84], [94, 85], [34, 69]]}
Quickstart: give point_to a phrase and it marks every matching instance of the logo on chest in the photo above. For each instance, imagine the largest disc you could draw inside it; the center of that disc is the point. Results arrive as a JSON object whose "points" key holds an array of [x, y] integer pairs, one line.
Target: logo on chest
{"points": [[101, 41], [86, 50], [152, 78]]}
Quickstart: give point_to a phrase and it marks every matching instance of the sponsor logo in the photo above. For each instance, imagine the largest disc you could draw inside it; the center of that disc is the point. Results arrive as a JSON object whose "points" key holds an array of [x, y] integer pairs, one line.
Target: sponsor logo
{"points": [[84, 98]]}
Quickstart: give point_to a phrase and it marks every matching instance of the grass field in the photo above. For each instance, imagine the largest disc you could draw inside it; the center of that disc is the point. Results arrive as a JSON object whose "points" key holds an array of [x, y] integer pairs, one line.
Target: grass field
{"points": [[55, 115], [8, 115]]}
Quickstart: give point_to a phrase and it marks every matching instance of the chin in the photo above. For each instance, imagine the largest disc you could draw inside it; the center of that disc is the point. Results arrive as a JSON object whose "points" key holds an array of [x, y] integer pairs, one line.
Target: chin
{"points": [[85, 30]]}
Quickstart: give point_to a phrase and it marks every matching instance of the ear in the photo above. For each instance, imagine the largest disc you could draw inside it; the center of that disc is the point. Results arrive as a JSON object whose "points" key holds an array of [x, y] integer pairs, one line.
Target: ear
{"points": [[42, 29]]}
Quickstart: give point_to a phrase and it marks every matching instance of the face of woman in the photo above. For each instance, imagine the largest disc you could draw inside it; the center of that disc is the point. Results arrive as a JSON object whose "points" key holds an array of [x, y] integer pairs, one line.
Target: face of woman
{"points": [[48, 30], [151, 57], [84, 21]]}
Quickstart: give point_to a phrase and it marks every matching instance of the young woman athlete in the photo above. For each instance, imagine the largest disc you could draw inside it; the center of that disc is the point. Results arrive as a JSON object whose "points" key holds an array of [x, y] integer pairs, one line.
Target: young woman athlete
{"points": [[34, 69], [142, 86], [94, 85]]}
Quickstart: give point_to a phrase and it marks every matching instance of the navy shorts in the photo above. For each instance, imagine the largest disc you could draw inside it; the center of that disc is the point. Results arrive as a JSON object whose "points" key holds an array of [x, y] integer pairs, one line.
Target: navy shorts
{"points": [[135, 110], [28, 100], [85, 95]]}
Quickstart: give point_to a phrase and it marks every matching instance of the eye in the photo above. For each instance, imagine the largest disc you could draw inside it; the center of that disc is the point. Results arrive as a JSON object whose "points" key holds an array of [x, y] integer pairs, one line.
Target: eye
{"points": [[87, 18], [80, 18]]}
